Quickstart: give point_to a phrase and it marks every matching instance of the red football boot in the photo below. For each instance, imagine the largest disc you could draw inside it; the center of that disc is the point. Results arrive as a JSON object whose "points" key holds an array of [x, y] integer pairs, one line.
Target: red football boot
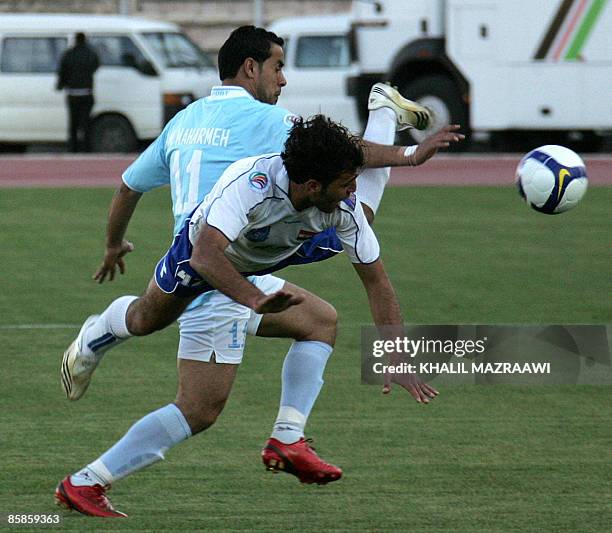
{"points": [[89, 500], [300, 460]]}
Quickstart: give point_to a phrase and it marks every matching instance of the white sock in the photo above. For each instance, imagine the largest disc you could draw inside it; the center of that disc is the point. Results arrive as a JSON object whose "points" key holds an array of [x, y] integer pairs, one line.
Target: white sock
{"points": [[371, 182], [109, 329], [89, 476], [145, 443], [302, 379], [381, 126]]}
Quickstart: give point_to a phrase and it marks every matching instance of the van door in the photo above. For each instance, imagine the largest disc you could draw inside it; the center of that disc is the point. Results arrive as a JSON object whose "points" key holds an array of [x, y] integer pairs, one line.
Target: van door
{"points": [[30, 107], [126, 85], [317, 69]]}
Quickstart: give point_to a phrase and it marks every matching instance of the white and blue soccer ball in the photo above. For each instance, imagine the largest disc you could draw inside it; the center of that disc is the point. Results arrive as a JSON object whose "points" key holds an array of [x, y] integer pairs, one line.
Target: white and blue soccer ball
{"points": [[551, 179]]}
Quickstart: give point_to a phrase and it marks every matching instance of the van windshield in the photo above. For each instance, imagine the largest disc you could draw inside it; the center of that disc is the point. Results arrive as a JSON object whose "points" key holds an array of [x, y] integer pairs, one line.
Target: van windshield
{"points": [[175, 50]]}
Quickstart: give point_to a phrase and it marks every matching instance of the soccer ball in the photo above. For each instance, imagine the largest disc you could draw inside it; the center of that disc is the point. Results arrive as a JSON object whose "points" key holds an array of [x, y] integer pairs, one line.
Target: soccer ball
{"points": [[551, 179]]}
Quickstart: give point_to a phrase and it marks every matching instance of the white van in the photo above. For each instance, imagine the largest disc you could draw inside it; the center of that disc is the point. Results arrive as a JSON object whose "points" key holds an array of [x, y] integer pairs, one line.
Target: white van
{"points": [[149, 71], [317, 66]]}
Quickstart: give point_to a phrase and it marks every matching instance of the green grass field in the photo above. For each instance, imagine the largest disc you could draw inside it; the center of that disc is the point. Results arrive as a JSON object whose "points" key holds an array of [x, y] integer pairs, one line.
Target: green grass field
{"points": [[485, 459]]}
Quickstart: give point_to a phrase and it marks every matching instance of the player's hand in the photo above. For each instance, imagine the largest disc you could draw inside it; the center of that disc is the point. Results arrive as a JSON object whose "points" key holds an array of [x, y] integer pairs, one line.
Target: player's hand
{"points": [[277, 302], [441, 139], [418, 389], [113, 259]]}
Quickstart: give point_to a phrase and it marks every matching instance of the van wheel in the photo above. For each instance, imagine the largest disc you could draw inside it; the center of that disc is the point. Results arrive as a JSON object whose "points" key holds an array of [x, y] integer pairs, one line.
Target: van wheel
{"points": [[442, 96], [112, 133]]}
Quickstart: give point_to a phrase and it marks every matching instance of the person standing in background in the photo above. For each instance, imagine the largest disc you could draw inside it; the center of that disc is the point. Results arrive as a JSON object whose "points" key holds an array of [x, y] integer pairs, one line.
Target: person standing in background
{"points": [[75, 74]]}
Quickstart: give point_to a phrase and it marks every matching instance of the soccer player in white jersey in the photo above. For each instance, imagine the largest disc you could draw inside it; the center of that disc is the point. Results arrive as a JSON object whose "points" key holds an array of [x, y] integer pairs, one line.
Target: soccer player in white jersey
{"points": [[252, 221], [235, 121]]}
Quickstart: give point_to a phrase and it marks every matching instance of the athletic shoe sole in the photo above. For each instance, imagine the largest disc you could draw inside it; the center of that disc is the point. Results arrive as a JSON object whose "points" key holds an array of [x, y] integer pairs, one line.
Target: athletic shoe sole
{"points": [[62, 500], [409, 114], [281, 463]]}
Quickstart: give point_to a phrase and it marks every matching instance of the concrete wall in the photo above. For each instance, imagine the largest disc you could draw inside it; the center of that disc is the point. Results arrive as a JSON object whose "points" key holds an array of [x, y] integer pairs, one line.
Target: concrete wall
{"points": [[208, 22]]}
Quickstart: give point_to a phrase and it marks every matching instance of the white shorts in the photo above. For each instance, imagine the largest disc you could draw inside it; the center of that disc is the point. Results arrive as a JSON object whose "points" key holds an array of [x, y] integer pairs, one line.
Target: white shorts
{"points": [[220, 325]]}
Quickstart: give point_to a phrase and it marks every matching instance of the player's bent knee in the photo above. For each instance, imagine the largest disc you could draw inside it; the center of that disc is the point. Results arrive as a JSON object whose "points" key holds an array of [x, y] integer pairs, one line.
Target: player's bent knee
{"points": [[139, 326], [322, 324], [328, 317], [141, 321]]}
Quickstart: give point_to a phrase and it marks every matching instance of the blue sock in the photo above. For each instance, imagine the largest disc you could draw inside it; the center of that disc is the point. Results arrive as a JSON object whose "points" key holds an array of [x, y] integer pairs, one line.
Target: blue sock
{"points": [[144, 444], [302, 381]]}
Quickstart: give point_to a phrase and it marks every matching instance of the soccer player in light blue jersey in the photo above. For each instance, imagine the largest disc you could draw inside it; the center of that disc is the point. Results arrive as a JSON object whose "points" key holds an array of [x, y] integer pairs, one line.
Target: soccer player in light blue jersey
{"points": [[238, 119]]}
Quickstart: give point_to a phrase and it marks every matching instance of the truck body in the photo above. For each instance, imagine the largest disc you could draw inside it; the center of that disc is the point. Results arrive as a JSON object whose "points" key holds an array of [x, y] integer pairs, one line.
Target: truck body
{"points": [[491, 65], [317, 65]]}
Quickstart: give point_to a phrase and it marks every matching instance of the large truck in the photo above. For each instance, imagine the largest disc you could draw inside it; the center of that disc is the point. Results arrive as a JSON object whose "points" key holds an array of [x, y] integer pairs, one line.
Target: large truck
{"points": [[497, 67]]}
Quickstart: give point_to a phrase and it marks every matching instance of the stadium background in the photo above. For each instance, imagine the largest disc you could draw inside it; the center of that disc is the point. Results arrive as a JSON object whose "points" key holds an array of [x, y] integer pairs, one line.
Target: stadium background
{"points": [[208, 22]]}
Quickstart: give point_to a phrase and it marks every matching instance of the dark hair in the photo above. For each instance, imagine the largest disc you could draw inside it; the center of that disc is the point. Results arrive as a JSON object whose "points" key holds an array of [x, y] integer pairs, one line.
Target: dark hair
{"points": [[321, 149], [79, 38], [245, 42]]}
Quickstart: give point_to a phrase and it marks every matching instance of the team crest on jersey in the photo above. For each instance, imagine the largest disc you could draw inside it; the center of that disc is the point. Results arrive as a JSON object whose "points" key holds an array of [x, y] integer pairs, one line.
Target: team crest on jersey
{"points": [[259, 181], [289, 119], [351, 201], [258, 234]]}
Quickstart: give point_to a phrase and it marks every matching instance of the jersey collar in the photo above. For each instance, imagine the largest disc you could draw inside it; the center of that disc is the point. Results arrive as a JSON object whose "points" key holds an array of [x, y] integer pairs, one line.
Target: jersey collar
{"points": [[224, 92]]}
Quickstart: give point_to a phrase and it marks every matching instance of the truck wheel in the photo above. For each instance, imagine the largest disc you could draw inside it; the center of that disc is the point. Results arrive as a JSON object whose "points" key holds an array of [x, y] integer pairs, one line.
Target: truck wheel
{"points": [[112, 133], [442, 96]]}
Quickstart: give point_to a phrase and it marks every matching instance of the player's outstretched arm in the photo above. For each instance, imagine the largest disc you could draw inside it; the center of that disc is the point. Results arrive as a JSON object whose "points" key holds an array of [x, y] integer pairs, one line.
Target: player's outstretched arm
{"points": [[120, 213], [382, 155], [386, 313], [208, 259], [441, 139]]}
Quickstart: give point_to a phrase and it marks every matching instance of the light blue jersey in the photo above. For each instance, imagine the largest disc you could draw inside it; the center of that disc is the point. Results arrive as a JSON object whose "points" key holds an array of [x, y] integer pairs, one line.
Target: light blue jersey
{"points": [[201, 141]]}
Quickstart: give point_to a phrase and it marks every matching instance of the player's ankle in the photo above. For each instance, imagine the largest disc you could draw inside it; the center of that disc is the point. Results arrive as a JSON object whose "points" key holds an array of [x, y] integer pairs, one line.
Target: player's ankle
{"points": [[286, 433]]}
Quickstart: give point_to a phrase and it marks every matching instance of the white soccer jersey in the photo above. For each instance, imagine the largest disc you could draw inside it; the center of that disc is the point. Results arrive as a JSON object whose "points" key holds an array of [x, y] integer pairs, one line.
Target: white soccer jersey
{"points": [[250, 205]]}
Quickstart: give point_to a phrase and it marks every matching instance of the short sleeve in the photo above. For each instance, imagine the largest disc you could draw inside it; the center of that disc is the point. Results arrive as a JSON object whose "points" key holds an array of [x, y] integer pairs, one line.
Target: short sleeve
{"points": [[358, 240], [150, 170]]}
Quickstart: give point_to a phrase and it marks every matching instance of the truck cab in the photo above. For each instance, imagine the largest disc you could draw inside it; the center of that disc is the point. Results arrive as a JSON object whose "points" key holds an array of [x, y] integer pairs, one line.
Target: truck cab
{"points": [[317, 66]]}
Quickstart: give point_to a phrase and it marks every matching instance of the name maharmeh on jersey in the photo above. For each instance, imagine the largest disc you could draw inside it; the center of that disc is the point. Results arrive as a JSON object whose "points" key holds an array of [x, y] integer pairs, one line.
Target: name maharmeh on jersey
{"points": [[208, 136]]}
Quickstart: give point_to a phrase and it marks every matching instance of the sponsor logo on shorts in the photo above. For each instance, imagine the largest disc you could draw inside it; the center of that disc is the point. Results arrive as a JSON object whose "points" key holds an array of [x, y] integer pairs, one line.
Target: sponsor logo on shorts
{"points": [[258, 234], [259, 181]]}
